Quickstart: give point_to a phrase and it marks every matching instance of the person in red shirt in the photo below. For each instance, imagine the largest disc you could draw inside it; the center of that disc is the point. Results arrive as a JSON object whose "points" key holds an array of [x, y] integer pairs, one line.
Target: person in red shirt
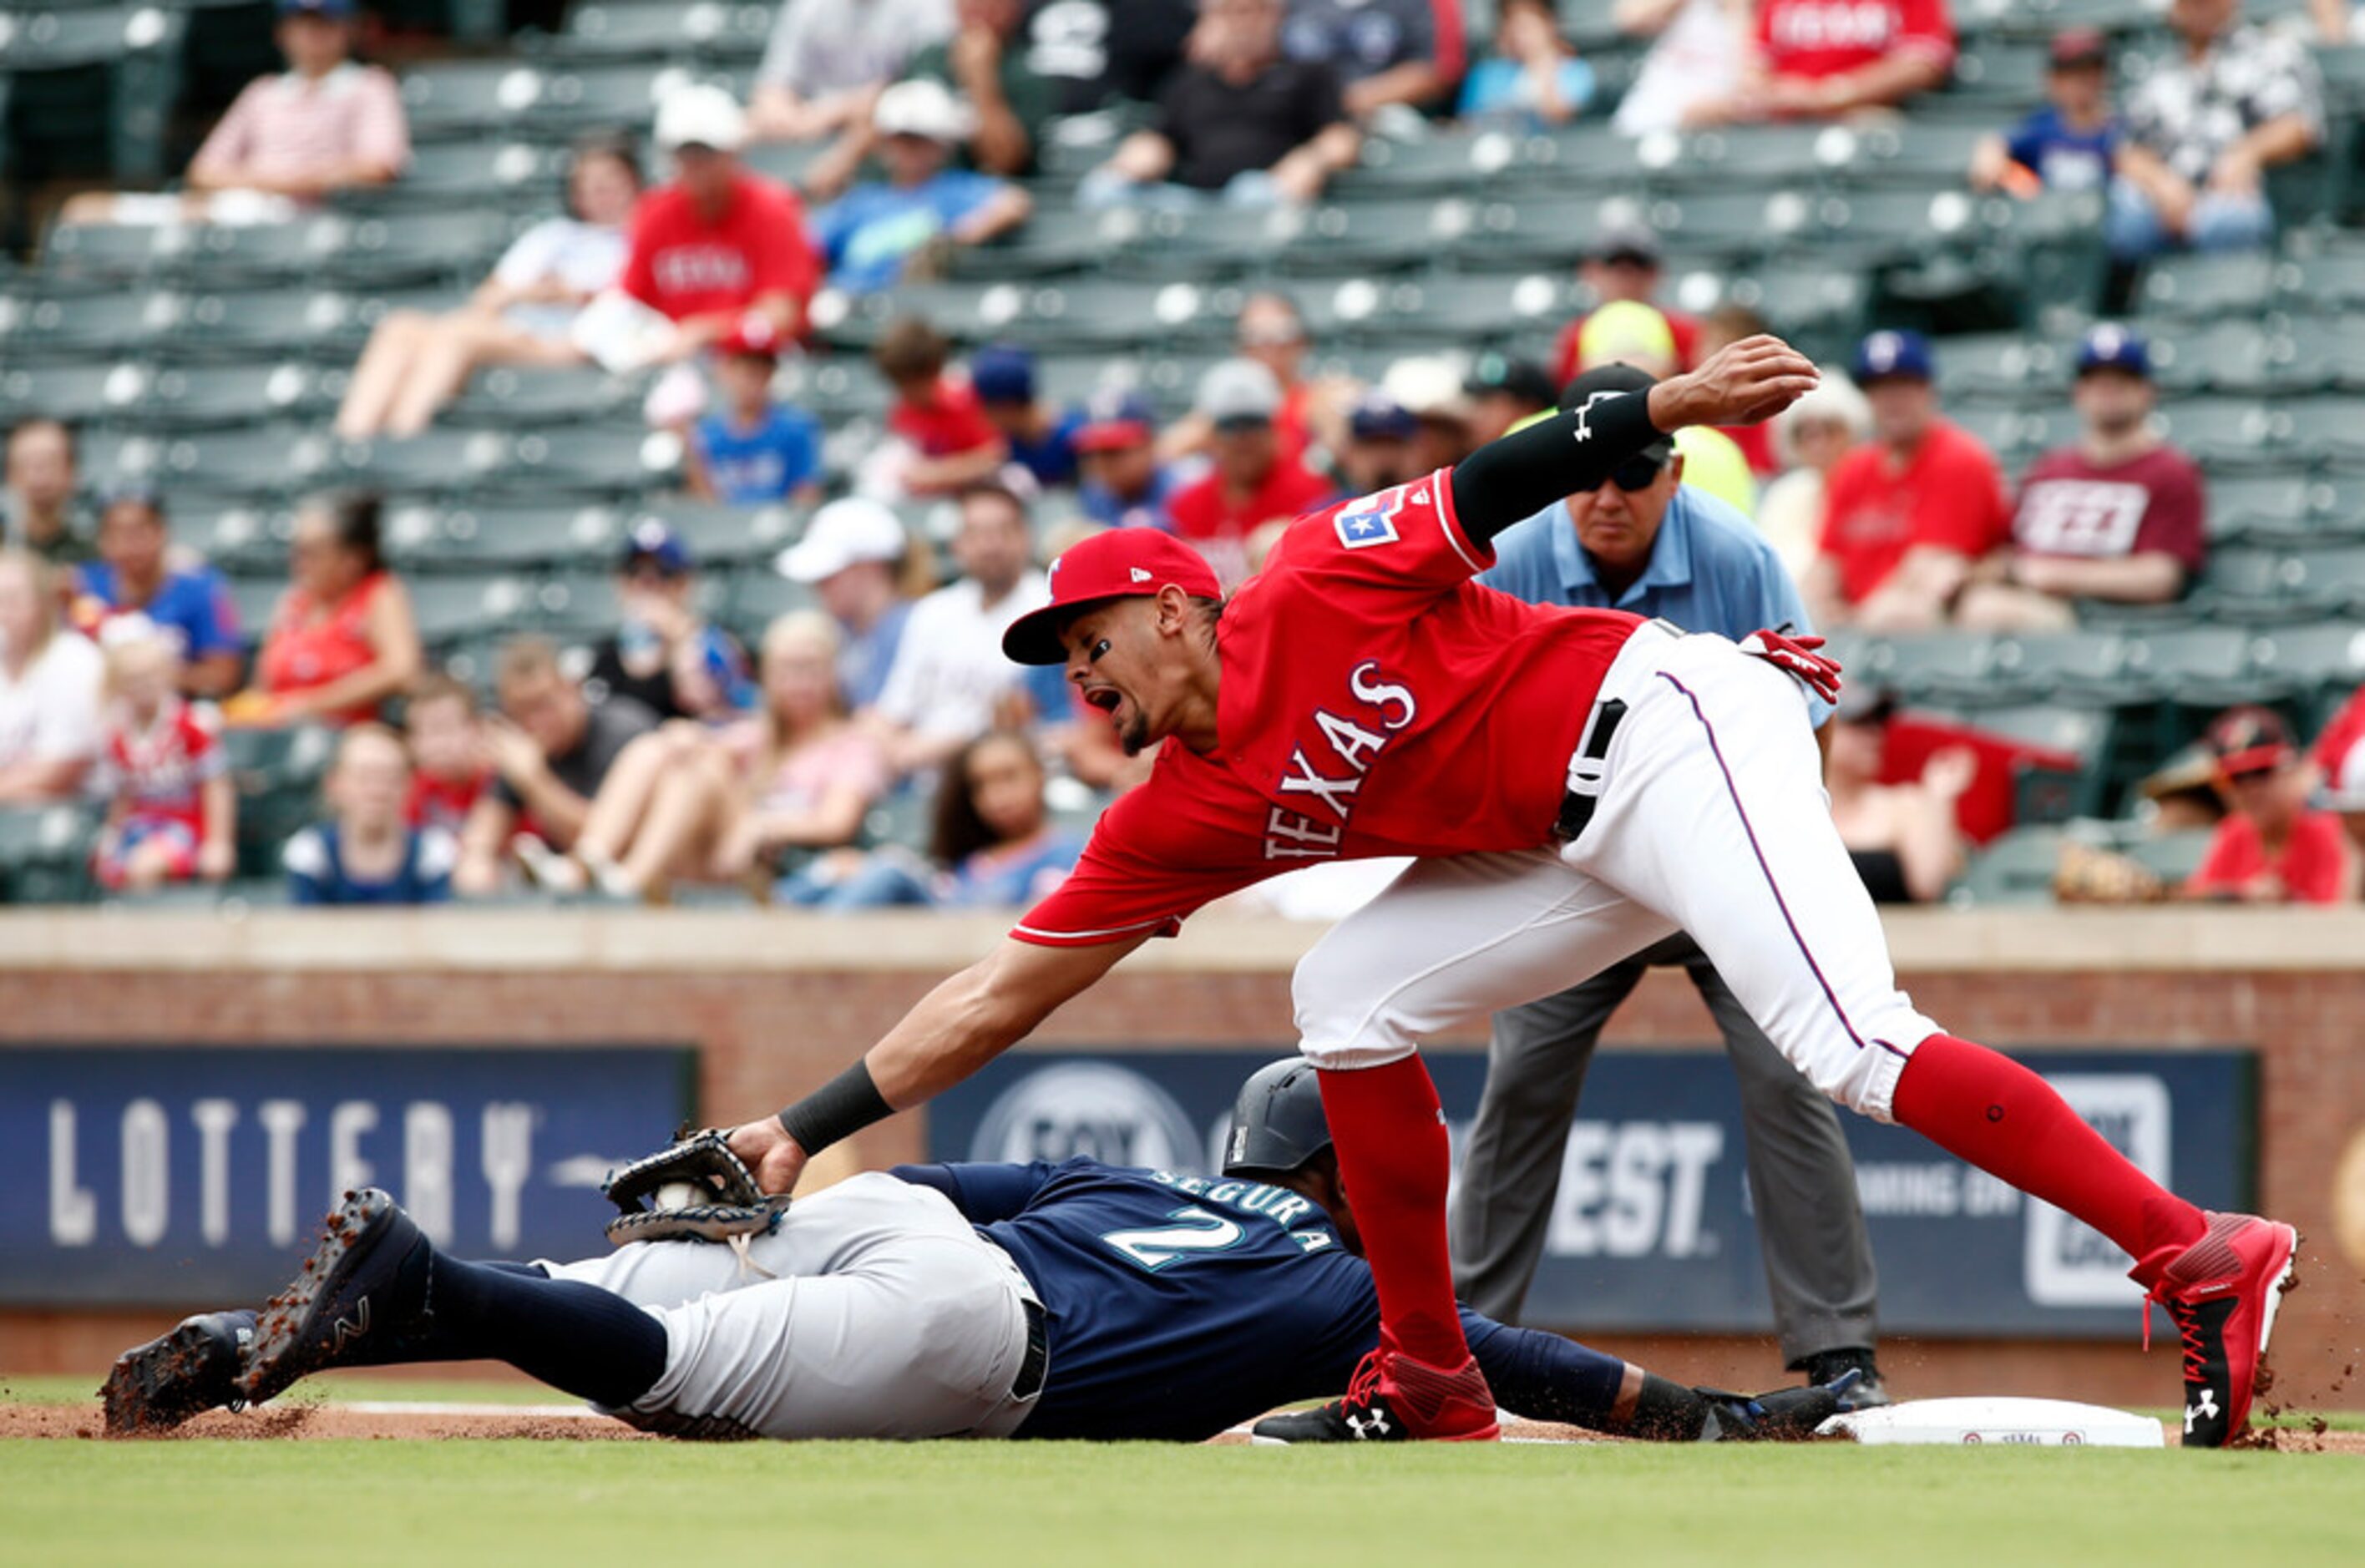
{"points": [[2119, 516], [2339, 760], [1819, 59], [1908, 513], [451, 762], [2271, 848], [947, 443], [1624, 262], [1251, 483], [1574, 784], [719, 244], [172, 812]]}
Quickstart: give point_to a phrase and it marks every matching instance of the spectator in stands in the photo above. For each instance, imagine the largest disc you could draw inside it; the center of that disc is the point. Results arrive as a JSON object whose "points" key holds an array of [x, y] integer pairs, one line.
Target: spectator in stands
{"points": [[2335, 22], [327, 124], [943, 439], [1822, 59], [1904, 838], [1251, 483], [1125, 485], [948, 682], [1379, 450], [551, 748], [993, 844], [1728, 324], [1240, 122], [1271, 330], [752, 451], [343, 639], [1428, 388], [905, 227], [1623, 263], [2271, 847], [2339, 760], [1386, 53], [2119, 516], [663, 654], [1908, 513], [37, 494], [366, 852], [50, 678], [139, 573], [1532, 79], [1099, 52], [451, 761], [523, 314], [1699, 52], [852, 556], [2203, 127], [1630, 332], [1503, 392], [1809, 438], [1041, 437], [719, 244], [1010, 100], [799, 775], [171, 810], [2071, 143], [828, 61]]}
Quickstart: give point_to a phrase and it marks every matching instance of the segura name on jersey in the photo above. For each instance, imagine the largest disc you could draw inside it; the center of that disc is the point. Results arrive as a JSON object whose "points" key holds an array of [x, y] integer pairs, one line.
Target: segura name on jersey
{"points": [[1279, 1205], [1349, 742]]}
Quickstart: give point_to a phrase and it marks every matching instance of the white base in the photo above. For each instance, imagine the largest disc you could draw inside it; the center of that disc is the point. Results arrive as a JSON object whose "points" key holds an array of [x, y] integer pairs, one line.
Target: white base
{"points": [[2038, 1423]]}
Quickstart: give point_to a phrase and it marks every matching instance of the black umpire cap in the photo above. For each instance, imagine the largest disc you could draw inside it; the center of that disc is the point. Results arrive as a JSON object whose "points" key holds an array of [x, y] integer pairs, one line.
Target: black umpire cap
{"points": [[1277, 1122]]}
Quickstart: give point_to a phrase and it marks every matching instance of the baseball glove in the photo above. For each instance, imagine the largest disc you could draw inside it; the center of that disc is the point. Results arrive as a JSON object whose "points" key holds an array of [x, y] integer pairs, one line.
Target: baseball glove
{"points": [[697, 1190]]}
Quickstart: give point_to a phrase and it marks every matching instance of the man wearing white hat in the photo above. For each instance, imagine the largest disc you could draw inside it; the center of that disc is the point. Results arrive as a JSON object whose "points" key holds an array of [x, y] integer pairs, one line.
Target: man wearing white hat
{"points": [[718, 250], [849, 556], [872, 235]]}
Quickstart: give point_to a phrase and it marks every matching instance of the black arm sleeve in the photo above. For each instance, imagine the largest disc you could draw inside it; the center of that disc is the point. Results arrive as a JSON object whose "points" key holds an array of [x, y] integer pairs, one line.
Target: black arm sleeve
{"points": [[1512, 479]]}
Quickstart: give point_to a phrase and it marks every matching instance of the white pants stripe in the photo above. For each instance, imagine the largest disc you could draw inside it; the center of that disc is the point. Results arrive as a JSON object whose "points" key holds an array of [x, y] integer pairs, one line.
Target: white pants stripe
{"points": [[1712, 819]]}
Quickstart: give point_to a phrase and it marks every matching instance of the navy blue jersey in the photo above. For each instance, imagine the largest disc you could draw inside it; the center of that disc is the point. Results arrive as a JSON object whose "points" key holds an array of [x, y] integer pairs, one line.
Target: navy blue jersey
{"points": [[1181, 1305]]}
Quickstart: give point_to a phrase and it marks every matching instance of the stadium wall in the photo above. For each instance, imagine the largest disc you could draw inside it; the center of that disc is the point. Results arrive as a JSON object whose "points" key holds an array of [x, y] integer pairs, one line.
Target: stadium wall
{"points": [[775, 1004]]}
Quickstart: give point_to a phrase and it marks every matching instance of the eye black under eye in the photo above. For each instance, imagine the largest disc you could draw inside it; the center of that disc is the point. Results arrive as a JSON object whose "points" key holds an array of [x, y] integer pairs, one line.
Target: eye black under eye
{"points": [[1099, 647]]}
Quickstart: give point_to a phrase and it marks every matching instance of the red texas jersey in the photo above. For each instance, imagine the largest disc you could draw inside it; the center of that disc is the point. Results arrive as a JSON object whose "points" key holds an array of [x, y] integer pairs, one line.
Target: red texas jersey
{"points": [[164, 769], [1375, 700]]}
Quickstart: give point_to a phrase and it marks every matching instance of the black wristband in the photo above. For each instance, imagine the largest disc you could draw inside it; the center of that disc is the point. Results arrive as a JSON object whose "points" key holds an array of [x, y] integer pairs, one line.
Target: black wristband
{"points": [[1515, 476], [838, 1110]]}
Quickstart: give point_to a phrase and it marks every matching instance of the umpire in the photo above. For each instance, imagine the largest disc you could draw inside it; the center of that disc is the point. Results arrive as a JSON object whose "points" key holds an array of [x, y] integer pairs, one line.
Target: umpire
{"points": [[1644, 544]]}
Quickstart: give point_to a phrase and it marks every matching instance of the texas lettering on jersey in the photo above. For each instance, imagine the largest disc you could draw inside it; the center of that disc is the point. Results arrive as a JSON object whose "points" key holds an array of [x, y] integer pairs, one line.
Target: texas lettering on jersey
{"points": [[1344, 744]]}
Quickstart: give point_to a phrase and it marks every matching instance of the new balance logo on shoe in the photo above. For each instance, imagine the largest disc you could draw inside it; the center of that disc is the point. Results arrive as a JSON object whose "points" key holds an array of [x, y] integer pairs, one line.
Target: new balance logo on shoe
{"points": [[2205, 1410], [349, 1329]]}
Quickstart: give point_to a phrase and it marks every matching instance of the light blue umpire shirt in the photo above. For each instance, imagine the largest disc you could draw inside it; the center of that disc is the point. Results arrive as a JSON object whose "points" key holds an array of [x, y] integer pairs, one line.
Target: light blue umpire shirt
{"points": [[1710, 570]]}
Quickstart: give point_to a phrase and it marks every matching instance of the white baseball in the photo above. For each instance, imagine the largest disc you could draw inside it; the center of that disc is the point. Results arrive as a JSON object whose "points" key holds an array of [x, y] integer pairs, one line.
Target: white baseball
{"points": [[682, 1195]]}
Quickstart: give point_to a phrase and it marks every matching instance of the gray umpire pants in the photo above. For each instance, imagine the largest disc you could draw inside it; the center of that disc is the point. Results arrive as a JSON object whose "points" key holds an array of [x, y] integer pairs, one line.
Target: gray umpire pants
{"points": [[1819, 1266]]}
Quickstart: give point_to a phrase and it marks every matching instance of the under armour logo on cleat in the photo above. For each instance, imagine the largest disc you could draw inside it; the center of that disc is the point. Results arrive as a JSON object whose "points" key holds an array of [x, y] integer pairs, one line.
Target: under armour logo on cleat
{"points": [[1375, 1425], [2206, 1408]]}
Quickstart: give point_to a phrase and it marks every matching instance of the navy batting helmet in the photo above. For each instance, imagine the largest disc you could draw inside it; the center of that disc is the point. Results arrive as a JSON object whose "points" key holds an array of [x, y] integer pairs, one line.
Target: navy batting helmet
{"points": [[1277, 1122]]}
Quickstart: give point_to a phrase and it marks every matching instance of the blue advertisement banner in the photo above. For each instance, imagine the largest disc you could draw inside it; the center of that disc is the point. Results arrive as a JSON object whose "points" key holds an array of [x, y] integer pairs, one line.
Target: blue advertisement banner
{"points": [[1651, 1229], [195, 1175]]}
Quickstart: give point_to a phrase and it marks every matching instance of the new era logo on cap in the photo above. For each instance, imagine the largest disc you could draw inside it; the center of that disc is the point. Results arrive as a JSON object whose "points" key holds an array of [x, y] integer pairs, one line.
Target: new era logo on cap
{"points": [[1140, 576]]}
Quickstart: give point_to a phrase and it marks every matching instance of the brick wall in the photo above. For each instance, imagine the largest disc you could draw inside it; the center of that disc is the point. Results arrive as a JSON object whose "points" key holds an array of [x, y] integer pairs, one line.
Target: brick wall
{"points": [[776, 1005]]}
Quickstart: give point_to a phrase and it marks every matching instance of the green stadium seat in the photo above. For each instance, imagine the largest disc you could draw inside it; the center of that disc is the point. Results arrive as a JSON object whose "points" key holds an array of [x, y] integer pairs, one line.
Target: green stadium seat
{"points": [[722, 537], [2230, 432], [2255, 507], [2196, 666], [591, 457], [757, 596], [45, 854], [269, 321], [454, 247], [1468, 311], [2191, 287], [197, 396], [450, 608], [479, 537], [652, 29], [112, 253], [2329, 427], [255, 589], [2334, 281], [1439, 165], [230, 257], [1942, 668], [511, 397], [2004, 365], [1058, 241], [266, 459], [2061, 666], [468, 99], [436, 460], [2172, 856], [236, 538], [2016, 867], [2228, 356], [1998, 77], [1348, 236], [2313, 660], [54, 322], [1738, 225], [77, 391], [1108, 313], [578, 604], [453, 175], [1738, 159], [1920, 155], [264, 760], [2326, 580]]}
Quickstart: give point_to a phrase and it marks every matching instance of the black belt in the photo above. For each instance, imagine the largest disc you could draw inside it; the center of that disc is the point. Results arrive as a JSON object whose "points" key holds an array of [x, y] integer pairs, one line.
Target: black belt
{"points": [[1036, 1362], [1586, 773]]}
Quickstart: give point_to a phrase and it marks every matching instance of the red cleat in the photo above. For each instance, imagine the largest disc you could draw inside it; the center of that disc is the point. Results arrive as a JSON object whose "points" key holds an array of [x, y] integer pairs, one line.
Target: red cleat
{"points": [[1395, 1399], [2223, 1291]]}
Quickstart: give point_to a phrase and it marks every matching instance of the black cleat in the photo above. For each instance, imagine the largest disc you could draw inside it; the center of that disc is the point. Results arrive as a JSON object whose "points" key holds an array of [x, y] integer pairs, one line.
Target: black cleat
{"points": [[1387, 1389], [1868, 1392], [1785, 1416], [354, 1293], [156, 1386]]}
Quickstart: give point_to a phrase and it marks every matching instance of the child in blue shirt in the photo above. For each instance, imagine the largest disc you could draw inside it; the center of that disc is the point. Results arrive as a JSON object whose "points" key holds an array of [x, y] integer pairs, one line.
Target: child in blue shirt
{"points": [[2068, 144], [366, 852], [752, 451]]}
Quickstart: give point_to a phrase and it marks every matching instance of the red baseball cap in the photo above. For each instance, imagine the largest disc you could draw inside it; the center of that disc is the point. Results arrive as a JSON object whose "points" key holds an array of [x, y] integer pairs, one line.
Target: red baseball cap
{"points": [[1123, 563]]}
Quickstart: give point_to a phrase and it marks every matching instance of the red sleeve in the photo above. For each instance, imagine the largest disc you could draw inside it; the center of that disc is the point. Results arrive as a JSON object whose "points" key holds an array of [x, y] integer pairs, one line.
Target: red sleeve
{"points": [[1402, 538], [2346, 727], [1452, 47], [639, 277], [2231, 860], [1925, 28], [965, 427], [784, 262], [2315, 866], [1192, 508], [1145, 870], [1685, 330], [1567, 354], [1962, 507], [2175, 520]]}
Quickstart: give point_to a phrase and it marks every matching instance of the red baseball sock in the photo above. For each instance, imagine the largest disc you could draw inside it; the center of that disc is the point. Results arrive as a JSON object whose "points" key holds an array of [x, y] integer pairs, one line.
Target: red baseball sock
{"points": [[2000, 1116], [1393, 1156]]}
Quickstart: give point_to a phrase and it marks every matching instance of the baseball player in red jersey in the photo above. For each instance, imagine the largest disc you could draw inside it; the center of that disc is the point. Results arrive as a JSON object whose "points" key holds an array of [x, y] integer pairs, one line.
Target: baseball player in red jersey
{"points": [[1577, 784]]}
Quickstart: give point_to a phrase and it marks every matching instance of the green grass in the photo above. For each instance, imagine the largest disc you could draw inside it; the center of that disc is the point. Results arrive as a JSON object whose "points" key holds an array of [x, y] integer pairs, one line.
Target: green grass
{"points": [[980, 1505], [340, 1386]]}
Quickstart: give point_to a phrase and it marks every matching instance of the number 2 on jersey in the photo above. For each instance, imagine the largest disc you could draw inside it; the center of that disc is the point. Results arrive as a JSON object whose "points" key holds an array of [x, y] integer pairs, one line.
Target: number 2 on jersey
{"points": [[1199, 1231]]}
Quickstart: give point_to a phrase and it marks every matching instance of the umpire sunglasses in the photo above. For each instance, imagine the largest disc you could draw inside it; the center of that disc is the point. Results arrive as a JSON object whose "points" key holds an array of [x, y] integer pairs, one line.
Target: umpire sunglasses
{"points": [[1634, 474]]}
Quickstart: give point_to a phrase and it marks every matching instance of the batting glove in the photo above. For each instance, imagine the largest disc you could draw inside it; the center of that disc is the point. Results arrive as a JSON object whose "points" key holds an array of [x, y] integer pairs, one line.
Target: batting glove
{"points": [[1796, 656]]}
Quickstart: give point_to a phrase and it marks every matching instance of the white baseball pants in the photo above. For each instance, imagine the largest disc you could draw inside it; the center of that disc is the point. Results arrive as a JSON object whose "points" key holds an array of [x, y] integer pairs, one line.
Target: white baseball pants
{"points": [[1712, 819], [890, 1316]]}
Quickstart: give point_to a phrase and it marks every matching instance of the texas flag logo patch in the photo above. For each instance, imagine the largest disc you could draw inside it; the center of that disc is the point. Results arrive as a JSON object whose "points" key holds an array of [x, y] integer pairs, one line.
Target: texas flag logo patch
{"points": [[1372, 521]]}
